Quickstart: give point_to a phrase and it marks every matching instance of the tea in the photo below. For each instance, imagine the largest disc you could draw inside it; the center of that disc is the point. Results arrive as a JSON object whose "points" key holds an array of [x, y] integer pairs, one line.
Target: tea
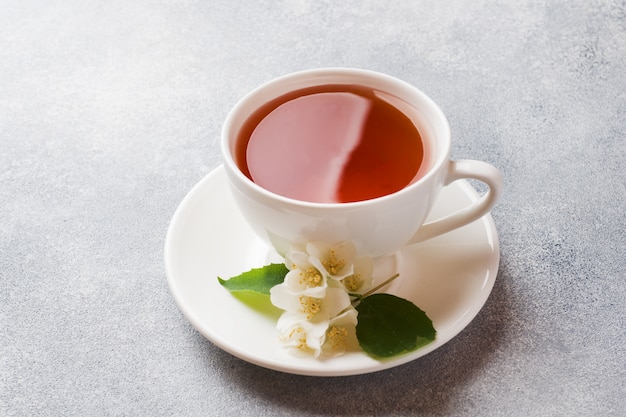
{"points": [[331, 144]]}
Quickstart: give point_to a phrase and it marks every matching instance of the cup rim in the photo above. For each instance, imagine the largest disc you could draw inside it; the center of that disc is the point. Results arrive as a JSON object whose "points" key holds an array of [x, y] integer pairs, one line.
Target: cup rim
{"points": [[329, 72]]}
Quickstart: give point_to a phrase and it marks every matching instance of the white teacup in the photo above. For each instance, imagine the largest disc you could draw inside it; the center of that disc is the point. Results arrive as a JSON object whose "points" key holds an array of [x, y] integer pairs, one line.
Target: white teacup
{"points": [[379, 226]]}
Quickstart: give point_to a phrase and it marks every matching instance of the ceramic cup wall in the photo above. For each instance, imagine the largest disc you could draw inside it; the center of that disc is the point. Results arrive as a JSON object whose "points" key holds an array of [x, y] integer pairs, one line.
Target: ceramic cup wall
{"points": [[377, 227]]}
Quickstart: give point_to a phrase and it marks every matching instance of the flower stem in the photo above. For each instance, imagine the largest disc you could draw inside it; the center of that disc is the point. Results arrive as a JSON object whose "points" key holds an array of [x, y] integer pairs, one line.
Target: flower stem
{"points": [[379, 286], [357, 298]]}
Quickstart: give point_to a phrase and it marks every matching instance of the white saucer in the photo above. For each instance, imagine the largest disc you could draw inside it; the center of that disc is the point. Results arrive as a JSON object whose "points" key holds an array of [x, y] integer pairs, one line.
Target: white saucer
{"points": [[449, 277]]}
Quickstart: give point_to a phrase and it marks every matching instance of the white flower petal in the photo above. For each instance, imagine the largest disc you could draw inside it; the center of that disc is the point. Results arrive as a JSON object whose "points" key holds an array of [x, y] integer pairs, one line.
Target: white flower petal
{"points": [[289, 319], [302, 336], [284, 298], [341, 334], [309, 282], [347, 318], [318, 250], [336, 300], [336, 260], [361, 280], [297, 259]]}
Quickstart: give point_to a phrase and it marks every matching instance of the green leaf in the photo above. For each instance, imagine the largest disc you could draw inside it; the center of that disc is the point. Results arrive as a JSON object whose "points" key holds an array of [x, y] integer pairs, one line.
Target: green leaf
{"points": [[390, 325], [257, 280]]}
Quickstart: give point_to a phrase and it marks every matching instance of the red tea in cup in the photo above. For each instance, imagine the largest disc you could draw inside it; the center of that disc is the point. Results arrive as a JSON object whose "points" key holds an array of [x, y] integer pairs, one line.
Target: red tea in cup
{"points": [[331, 144]]}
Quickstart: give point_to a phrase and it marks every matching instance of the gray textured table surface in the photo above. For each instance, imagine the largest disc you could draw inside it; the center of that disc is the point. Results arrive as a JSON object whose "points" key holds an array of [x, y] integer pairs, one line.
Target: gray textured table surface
{"points": [[111, 111]]}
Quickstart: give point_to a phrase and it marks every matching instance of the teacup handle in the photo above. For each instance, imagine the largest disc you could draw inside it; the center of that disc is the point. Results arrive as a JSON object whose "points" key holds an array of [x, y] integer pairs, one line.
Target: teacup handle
{"points": [[457, 170]]}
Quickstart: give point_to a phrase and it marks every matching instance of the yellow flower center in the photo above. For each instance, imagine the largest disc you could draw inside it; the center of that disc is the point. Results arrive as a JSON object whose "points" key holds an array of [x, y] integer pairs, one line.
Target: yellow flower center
{"points": [[353, 282], [311, 277], [299, 335], [332, 264], [310, 306], [336, 337]]}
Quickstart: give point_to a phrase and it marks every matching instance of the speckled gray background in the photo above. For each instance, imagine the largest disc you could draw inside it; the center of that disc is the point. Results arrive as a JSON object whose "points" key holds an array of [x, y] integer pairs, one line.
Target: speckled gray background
{"points": [[110, 111]]}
